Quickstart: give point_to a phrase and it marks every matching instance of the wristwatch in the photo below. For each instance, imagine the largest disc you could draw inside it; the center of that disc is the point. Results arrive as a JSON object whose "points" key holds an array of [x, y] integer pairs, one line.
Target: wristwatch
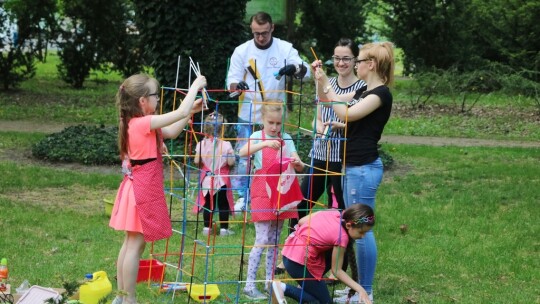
{"points": [[327, 89]]}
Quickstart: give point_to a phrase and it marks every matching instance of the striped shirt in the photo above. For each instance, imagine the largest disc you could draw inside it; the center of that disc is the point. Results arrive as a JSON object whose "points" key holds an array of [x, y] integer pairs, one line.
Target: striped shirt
{"points": [[332, 146]]}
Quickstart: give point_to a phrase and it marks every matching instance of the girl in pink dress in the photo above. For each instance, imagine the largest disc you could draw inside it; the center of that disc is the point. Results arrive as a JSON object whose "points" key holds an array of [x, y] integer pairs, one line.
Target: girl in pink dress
{"points": [[140, 208], [215, 157], [270, 148]]}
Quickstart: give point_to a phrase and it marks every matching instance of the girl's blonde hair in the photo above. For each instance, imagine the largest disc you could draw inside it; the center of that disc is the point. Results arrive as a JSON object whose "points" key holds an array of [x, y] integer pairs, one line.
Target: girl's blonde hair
{"points": [[273, 105], [213, 125], [127, 103], [383, 55]]}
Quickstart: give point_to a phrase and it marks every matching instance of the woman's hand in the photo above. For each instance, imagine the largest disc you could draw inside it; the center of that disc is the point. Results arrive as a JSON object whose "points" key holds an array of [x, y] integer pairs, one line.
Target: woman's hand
{"points": [[316, 65], [318, 72], [335, 125], [319, 132]]}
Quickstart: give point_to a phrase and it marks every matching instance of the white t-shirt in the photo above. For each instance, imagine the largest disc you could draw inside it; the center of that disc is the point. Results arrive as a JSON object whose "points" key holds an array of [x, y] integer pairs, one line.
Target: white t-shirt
{"points": [[268, 62]]}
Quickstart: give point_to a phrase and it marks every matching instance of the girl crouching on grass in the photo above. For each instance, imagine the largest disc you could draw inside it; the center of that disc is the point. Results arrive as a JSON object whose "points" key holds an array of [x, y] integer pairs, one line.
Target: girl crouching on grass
{"points": [[306, 254]]}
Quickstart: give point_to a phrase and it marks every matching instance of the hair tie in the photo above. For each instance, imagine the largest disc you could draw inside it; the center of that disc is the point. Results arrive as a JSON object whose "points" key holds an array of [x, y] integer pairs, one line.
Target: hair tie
{"points": [[364, 220]]}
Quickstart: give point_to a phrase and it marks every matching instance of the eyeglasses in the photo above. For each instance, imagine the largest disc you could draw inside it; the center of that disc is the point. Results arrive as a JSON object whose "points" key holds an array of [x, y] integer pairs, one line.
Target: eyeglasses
{"points": [[154, 94], [259, 34], [345, 60], [360, 60]]}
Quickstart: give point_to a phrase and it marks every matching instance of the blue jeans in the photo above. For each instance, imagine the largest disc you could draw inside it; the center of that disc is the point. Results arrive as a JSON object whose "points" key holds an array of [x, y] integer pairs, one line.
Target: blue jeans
{"points": [[240, 183], [360, 184], [307, 291]]}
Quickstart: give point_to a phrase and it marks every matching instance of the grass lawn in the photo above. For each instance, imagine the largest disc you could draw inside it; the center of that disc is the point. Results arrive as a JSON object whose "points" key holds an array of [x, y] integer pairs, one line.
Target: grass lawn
{"points": [[471, 213]]}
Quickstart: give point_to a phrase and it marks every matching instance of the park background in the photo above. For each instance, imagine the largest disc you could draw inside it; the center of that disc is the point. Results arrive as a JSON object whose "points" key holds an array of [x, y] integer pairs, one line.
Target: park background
{"points": [[468, 69]]}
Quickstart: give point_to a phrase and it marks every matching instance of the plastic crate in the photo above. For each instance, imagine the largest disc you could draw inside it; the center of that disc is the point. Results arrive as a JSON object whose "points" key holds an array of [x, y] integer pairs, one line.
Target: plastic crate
{"points": [[150, 270]]}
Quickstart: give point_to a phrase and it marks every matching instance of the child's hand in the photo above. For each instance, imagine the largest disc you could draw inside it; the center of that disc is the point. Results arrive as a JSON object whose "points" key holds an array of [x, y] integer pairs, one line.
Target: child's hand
{"points": [[197, 106], [364, 297], [295, 160], [164, 149], [200, 82], [273, 143], [297, 163]]}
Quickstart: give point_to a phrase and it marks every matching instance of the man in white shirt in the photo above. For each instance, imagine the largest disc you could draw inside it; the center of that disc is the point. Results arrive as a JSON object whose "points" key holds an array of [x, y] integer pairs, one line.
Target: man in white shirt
{"points": [[255, 73]]}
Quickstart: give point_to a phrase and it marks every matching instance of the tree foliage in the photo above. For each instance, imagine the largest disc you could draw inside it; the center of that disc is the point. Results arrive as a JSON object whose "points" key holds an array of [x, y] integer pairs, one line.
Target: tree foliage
{"points": [[322, 23], [93, 34], [508, 32], [466, 34], [25, 27], [431, 33], [208, 31]]}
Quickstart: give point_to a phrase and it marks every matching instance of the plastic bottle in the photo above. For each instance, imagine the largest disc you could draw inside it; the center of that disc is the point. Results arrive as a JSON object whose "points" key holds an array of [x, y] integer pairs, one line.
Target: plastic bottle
{"points": [[4, 272], [97, 286]]}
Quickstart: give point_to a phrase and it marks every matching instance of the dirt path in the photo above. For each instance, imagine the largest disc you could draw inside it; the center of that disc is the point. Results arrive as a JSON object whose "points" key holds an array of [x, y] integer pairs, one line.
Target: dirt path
{"points": [[456, 141], [32, 126]]}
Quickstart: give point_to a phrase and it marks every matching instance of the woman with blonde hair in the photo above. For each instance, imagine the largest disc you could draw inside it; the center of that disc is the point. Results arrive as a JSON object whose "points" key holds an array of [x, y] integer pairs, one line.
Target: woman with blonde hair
{"points": [[366, 116]]}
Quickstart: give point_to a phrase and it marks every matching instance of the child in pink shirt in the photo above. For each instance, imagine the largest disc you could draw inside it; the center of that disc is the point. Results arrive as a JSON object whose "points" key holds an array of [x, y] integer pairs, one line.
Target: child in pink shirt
{"points": [[140, 209], [306, 254], [215, 157]]}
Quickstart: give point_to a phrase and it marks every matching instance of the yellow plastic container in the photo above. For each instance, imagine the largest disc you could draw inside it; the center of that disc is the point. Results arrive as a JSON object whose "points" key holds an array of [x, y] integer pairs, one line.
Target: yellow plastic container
{"points": [[198, 293], [96, 289], [108, 205]]}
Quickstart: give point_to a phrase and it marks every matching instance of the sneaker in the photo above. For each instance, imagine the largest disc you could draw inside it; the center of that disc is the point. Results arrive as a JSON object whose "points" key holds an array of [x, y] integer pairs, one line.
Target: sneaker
{"points": [[278, 297], [117, 300], [354, 299], [342, 292], [225, 232], [239, 205], [255, 294], [345, 299], [206, 231]]}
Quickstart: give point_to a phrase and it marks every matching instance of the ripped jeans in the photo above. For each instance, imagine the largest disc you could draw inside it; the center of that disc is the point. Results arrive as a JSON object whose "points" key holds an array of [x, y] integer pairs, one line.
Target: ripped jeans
{"points": [[360, 184]]}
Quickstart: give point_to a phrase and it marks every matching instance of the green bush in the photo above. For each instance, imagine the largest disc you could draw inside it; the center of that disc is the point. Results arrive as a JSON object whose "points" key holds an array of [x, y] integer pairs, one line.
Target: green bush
{"points": [[387, 159], [89, 145]]}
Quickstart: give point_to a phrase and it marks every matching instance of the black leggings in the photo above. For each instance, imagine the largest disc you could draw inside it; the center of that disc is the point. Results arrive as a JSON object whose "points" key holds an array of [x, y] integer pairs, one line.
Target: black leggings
{"points": [[223, 205]]}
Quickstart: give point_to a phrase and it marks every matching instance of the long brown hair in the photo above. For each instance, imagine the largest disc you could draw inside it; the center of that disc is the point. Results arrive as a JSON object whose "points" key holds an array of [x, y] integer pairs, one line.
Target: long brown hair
{"points": [[359, 215], [127, 103]]}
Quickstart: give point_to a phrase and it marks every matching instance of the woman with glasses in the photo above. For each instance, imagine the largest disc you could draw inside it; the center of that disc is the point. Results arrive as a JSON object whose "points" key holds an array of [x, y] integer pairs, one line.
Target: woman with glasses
{"points": [[326, 153], [365, 115]]}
